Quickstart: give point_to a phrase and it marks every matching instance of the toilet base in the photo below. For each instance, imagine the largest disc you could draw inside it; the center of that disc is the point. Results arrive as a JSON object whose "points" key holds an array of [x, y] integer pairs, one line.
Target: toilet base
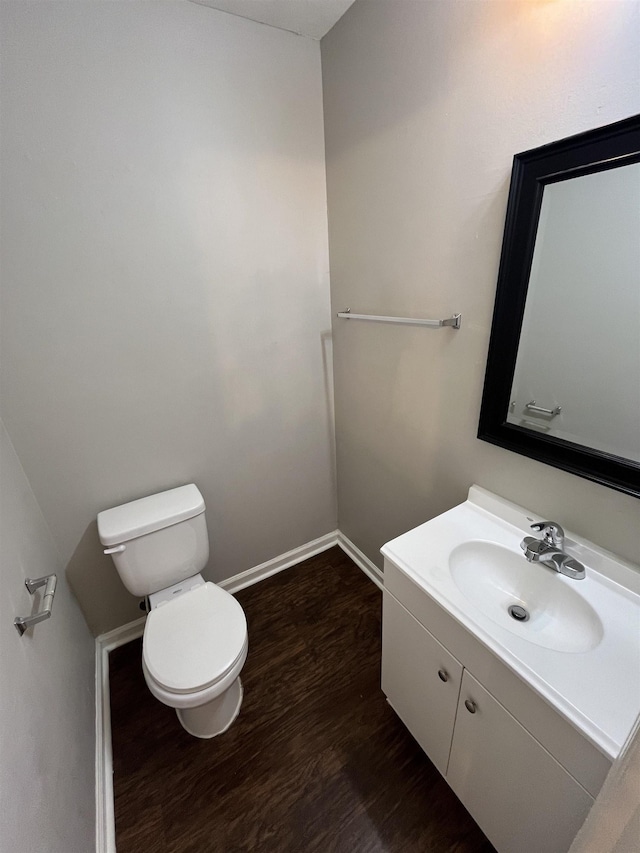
{"points": [[214, 717]]}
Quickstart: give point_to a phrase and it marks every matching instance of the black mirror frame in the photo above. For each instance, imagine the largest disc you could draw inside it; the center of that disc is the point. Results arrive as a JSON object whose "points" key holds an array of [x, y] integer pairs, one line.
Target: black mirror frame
{"points": [[596, 150]]}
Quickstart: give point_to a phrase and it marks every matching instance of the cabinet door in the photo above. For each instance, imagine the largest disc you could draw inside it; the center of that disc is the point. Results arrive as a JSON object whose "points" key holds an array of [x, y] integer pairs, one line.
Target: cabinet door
{"points": [[420, 679], [522, 799]]}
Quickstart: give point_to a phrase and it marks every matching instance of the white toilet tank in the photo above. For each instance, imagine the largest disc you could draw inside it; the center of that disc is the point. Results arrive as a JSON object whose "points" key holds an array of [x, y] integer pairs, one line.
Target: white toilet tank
{"points": [[158, 540]]}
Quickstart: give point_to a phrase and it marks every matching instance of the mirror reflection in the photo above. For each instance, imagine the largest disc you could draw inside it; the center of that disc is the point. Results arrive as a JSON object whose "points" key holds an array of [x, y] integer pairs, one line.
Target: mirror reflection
{"points": [[577, 374]]}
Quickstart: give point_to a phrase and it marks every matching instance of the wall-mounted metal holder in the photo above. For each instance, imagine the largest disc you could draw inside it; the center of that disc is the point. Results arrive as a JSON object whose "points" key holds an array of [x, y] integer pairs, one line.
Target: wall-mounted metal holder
{"points": [[32, 584], [454, 321], [531, 407]]}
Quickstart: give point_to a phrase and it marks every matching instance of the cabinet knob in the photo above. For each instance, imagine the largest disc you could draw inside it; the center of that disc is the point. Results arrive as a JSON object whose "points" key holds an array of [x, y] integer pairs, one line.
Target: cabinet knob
{"points": [[443, 675], [470, 705]]}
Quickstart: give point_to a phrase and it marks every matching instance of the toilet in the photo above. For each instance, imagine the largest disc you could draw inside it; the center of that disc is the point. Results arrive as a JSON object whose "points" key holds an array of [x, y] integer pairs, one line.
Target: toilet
{"points": [[195, 637]]}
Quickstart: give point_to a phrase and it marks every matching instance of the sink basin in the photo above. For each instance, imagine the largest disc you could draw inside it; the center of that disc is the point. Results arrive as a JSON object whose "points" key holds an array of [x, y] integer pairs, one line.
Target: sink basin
{"points": [[494, 578]]}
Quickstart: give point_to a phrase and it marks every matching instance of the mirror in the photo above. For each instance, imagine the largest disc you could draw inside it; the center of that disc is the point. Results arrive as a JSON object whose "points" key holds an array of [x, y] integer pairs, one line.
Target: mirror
{"points": [[563, 371]]}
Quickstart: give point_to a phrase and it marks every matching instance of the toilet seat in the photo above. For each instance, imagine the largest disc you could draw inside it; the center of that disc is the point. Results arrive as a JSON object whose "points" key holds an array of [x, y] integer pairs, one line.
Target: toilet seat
{"points": [[195, 640]]}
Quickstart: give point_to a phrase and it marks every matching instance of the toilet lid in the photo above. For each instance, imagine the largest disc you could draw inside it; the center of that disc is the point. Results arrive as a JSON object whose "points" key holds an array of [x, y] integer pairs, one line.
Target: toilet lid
{"points": [[194, 640]]}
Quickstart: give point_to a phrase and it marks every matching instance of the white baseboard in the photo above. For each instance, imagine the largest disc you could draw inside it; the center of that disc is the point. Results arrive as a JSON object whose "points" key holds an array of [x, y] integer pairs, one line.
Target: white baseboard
{"points": [[105, 816], [361, 560], [279, 564]]}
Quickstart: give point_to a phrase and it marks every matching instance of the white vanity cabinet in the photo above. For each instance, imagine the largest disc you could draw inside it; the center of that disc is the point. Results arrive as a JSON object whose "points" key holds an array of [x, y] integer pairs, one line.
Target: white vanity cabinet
{"points": [[523, 799], [522, 709]]}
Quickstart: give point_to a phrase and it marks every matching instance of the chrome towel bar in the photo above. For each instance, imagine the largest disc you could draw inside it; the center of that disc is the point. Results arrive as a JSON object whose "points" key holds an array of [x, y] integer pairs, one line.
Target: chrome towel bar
{"points": [[531, 407], [454, 321], [32, 584]]}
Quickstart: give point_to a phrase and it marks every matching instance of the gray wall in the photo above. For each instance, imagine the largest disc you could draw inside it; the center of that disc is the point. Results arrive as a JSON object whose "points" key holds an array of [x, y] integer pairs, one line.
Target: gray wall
{"points": [[47, 683], [425, 105], [165, 298]]}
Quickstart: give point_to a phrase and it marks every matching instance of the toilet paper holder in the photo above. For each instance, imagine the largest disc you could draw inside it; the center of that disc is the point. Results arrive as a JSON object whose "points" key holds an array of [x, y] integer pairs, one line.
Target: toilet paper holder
{"points": [[32, 584]]}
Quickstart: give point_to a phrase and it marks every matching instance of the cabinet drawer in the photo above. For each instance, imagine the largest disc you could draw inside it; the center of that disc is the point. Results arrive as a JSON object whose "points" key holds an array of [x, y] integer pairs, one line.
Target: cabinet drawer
{"points": [[421, 680], [521, 797]]}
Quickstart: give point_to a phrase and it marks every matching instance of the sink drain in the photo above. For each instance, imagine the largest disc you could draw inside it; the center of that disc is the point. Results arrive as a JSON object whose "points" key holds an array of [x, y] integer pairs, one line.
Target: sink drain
{"points": [[518, 613]]}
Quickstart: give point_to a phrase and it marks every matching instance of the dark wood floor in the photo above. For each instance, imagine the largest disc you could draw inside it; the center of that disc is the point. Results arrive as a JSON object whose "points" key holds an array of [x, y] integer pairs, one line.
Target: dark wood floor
{"points": [[316, 761]]}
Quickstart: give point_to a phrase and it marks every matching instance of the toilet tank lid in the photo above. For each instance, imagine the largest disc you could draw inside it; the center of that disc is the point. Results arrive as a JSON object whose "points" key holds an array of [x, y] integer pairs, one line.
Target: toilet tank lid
{"points": [[137, 518]]}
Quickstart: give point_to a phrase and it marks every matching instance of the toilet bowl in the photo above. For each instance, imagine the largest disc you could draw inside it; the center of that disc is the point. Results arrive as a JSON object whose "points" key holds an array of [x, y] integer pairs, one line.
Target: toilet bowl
{"points": [[193, 649], [195, 637]]}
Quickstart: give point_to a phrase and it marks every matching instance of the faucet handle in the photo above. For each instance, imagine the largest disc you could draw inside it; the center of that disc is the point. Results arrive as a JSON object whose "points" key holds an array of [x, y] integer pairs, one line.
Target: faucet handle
{"points": [[551, 531]]}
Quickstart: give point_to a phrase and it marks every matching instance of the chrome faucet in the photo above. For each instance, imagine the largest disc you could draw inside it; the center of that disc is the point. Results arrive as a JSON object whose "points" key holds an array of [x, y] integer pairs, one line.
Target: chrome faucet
{"points": [[548, 550]]}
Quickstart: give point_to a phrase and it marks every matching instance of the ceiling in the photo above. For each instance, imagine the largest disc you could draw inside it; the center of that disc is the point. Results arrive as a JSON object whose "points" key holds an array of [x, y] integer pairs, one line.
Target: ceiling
{"points": [[312, 18]]}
